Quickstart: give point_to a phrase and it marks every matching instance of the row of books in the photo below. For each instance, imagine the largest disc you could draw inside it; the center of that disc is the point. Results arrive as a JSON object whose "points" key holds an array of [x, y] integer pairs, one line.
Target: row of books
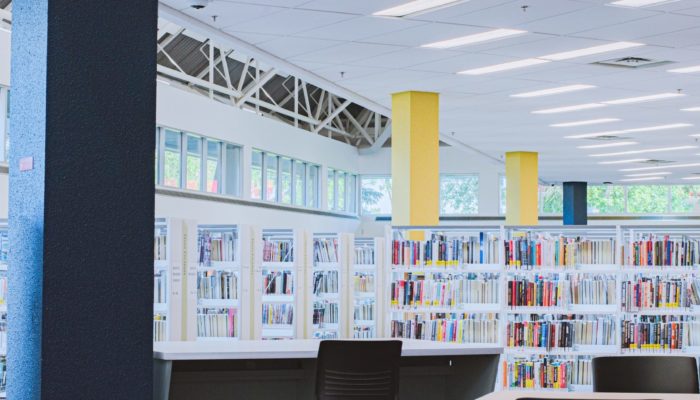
{"points": [[326, 250], [278, 282], [3, 288], [653, 250], [325, 282], [592, 289], [654, 332], [364, 310], [160, 247], [442, 327], [546, 373], [159, 327], [325, 312], [277, 314], [443, 251], [537, 291], [559, 332], [160, 288], [216, 246], [217, 322], [326, 335], [363, 332], [655, 292], [364, 255], [537, 249], [363, 282], [278, 250], [446, 291], [219, 285]]}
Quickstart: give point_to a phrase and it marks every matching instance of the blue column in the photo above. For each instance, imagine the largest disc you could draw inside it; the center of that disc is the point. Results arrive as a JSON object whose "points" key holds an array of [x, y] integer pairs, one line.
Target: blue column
{"points": [[575, 203], [81, 199]]}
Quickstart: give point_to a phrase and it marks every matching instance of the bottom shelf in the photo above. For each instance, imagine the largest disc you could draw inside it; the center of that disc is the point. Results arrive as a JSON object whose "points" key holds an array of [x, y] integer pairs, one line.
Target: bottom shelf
{"points": [[278, 331]]}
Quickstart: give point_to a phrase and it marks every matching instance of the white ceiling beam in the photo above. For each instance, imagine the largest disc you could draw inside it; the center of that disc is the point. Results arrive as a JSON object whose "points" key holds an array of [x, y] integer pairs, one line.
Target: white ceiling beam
{"points": [[332, 115], [386, 133], [253, 87], [199, 82]]}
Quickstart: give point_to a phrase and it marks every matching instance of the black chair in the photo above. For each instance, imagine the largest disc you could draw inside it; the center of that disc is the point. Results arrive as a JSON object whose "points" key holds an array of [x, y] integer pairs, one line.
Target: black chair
{"points": [[645, 374], [358, 369]]}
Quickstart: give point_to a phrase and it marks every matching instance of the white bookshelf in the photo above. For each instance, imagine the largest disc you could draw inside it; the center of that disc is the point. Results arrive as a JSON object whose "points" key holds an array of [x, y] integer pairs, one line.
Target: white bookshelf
{"points": [[366, 258], [326, 307]]}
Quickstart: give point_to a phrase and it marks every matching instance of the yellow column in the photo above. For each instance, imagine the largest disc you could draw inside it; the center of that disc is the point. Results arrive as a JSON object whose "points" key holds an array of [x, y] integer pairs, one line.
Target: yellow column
{"points": [[415, 169], [521, 188]]}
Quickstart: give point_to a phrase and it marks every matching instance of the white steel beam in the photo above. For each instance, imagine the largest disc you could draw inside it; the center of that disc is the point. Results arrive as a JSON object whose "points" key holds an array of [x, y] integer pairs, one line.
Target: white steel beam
{"points": [[332, 115], [386, 133], [254, 86]]}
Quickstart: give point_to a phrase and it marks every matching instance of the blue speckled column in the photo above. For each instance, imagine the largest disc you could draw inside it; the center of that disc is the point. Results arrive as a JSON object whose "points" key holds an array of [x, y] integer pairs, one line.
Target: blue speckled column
{"points": [[81, 208], [575, 203]]}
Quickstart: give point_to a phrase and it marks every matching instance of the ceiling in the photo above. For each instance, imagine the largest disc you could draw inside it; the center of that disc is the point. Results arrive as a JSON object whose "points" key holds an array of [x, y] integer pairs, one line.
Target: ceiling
{"points": [[343, 42]]}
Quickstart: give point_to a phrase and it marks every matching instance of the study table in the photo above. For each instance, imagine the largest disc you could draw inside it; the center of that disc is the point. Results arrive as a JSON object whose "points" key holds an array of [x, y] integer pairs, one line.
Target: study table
{"points": [[286, 369], [515, 395]]}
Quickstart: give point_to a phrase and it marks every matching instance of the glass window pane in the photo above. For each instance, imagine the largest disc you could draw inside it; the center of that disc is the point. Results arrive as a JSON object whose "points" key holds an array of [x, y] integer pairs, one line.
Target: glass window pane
{"points": [[270, 177], [375, 195], [684, 198], [647, 199], [340, 184], [194, 162], [171, 159], [551, 199], [213, 166], [606, 199], [157, 149], [286, 180], [352, 193], [331, 189], [312, 183], [232, 184], [502, 197], [299, 176], [459, 194], [256, 176]]}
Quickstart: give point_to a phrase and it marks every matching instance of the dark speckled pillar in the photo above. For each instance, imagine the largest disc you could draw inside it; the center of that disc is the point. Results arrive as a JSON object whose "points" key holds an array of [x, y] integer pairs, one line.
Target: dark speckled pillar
{"points": [[575, 203], [81, 199]]}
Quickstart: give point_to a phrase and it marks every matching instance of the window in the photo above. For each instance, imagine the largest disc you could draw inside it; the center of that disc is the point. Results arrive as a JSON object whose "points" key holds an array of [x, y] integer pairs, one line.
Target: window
{"points": [[606, 199], [270, 177], [352, 194], [299, 183], [256, 175], [232, 176], [194, 163], [285, 180], [684, 198], [551, 199], [459, 194], [171, 159], [502, 194], [313, 176], [213, 166], [4, 123], [157, 169], [331, 189], [647, 199], [342, 191], [375, 195]]}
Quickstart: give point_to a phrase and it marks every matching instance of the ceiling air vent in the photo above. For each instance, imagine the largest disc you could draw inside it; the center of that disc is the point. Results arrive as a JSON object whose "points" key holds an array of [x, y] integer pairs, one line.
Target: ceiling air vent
{"points": [[632, 62], [607, 137], [657, 162]]}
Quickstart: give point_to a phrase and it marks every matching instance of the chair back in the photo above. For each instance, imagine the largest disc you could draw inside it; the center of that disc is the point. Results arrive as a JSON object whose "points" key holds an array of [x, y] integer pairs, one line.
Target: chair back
{"points": [[645, 374]]}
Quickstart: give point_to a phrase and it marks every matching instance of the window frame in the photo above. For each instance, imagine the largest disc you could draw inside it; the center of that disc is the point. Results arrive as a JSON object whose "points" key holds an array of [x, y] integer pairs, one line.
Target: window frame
{"points": [[4, 123], [451, 174], [361, 208]]}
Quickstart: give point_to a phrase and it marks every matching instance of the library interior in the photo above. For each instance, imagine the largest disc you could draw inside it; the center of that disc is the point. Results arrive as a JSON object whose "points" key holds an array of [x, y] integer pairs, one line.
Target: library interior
{"points": [[349, 199]]}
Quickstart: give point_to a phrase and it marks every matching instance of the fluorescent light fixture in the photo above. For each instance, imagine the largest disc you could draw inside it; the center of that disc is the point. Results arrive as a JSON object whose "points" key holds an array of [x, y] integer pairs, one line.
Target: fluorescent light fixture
{"points": [[691, 178], [414, 7], [648, 178], [685, 70], [692, 109], [661, 167], [630, 100], [604, 145], [632, 130], [640, 3], [5, 30], [495, 34], [556, 90], [630, 161], [586, 122], [503, 67], [656, 150], [649, 174], [604, 48], [587, 106]]}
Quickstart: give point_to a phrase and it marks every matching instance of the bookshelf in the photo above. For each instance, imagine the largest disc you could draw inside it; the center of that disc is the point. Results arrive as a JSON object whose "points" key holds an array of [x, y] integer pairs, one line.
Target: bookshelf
{"points": [[364, 288], [161, 281], [4, 257], [278, 273], [325, 289]]}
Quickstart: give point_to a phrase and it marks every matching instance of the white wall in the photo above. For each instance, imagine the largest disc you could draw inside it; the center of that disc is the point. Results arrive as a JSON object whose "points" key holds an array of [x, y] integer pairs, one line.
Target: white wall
{"points": [[4, 58], [4, 199]]}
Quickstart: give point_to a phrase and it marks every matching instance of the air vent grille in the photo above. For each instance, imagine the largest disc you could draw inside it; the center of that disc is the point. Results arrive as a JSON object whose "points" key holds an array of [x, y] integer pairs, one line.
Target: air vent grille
{"points": [[657, 162], [607, 137], [632, 62]]}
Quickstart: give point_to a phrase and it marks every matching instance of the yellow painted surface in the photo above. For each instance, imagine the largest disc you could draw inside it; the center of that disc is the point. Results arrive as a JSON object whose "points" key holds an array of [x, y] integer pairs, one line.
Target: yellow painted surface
{"points": [[415, 165], [521, 188]]}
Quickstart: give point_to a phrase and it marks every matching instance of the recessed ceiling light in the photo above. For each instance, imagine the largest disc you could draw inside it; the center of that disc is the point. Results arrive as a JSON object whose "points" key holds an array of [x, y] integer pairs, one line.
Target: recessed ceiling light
{"points": [[415, 7], [476, 38], [556, 90], [656, 150], [685, 70], [661, 167], [577, 107], [640, 3], [650, 174], [503, 67], [640, 99], [691, 178], [648, 178], [612, 144], [566, 55], [632, 130], [691, 109], [630, 161], [586, 122]]}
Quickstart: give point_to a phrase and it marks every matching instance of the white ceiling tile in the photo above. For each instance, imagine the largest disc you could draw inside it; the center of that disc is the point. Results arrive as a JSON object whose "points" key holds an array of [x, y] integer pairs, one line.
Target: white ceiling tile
{"points": [[423, 34], [406, 58], [448, 13], [342, 73], [347, 52], [513, 14], [229, 14], [678, 39], [463, 62], [359, 28], [643, 28], [587, 19], [363, 7], [289, 22], [548, 45], [289, 46]]}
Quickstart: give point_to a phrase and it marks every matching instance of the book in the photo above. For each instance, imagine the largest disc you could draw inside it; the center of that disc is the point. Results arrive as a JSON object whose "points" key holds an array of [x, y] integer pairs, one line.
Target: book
{"points": [[278, 250], [448, 327], [326, 250], [547, 332], [217, 322], [530, 249], [444, 290], [546, 372], [641, 292], [446, 251], [215, 245], [364, 255], [159, 327], [652, 250], [217, 285]]}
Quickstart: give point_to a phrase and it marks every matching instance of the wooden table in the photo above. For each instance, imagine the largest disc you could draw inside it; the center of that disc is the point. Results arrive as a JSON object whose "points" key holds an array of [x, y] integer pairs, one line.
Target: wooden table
{"points": [[286, 369]]}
